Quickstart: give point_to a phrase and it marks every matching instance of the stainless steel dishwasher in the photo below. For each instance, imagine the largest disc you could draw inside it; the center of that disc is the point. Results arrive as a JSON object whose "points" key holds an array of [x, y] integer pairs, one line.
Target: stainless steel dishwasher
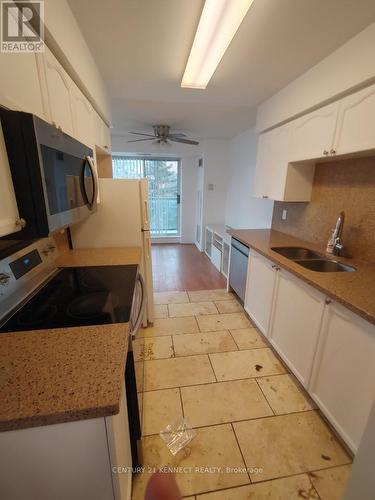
{"points": [[238, 268]]}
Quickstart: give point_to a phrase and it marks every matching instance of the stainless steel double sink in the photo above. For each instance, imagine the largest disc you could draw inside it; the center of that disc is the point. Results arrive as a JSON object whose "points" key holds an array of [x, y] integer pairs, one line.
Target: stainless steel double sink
{"points": [[313, 260]]}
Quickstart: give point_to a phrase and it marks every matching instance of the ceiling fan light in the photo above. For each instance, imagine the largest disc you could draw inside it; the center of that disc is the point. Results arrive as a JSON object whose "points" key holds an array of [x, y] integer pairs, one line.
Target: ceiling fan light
{"points": [[217, 26]]}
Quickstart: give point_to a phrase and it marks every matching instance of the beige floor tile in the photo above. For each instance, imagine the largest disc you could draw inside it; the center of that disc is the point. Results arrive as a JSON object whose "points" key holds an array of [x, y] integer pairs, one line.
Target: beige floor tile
{"points": [[191, 309], [170, 326], [330, 483], [228, 306], [153, 348], [284, 394], [214, 322], [178, 372], [139, 375], [245, 364], [203, 343], [215, 295], [160, 409], [248, 338], [160, 311], [213, 447], [224, 402], [288, 488], [170, 297], [288, 444]]}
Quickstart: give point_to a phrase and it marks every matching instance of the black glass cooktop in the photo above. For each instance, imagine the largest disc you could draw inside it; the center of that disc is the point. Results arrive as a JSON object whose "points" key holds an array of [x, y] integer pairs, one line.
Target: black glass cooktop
{"points": [[78, 296]]}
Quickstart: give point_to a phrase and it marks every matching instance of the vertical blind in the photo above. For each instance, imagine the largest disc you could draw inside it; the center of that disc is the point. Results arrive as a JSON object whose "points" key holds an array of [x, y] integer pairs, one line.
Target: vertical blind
{"points": [[163, 179]]}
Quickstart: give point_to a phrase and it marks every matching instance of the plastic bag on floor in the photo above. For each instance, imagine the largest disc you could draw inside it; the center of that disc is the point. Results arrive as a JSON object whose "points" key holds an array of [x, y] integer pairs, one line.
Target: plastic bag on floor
{"points": [[177, 435]]}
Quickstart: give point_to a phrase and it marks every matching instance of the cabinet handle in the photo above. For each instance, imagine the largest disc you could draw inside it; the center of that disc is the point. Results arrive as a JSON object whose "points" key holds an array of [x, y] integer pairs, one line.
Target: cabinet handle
{"points": [[325, 152], [328, 301], [333, 151], [265, 196], [274, 266]]}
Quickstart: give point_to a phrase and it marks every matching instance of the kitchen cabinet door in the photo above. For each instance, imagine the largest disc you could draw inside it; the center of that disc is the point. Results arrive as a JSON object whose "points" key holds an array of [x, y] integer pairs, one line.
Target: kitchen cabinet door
{"points": [[343, 376], [272, 164], [260, 285], [83, 115], [58, 88], [20, 86], [356, 123], [8, 204], [275, 177], [295, 324], [102, 135], [311, 136]]}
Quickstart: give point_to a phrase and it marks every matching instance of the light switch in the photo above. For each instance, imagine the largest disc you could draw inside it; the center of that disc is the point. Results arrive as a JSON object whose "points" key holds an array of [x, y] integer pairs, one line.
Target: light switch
{"points": [[284, 215]]}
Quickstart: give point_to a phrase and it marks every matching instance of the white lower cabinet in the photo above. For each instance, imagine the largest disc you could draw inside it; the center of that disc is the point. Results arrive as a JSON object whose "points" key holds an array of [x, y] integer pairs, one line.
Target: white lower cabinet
{"points": [[260, 285], [343, 377], [81, 460], [295, 323]]}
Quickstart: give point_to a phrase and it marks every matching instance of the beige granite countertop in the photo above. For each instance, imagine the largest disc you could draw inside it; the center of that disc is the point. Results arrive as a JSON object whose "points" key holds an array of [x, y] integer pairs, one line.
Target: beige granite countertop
{"points": [[99, 257], [355, 290], [61, 375]]}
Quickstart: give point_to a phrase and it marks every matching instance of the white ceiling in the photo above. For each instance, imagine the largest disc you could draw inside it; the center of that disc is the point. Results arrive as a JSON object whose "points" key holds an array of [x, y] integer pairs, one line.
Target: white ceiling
{"points": [[141, 48]]}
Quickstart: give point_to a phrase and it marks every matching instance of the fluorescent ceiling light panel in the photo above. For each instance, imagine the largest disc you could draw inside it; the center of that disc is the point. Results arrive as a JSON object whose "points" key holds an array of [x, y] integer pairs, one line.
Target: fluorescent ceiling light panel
{"points": [[217, 26]]}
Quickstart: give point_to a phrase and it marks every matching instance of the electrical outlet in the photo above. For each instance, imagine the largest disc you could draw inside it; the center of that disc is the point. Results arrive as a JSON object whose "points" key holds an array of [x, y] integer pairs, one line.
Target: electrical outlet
{"points": [[284, 215]]}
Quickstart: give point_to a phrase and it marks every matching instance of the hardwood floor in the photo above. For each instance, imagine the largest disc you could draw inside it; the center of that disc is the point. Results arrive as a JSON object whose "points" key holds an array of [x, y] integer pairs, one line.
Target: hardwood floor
{"points": [[183, 267]]}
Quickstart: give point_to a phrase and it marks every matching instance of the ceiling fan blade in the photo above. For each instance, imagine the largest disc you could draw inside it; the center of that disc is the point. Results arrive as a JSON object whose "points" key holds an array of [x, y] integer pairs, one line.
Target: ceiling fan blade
{"points": [[141, 140], [177, 135], [140, 133], [183, 141]]}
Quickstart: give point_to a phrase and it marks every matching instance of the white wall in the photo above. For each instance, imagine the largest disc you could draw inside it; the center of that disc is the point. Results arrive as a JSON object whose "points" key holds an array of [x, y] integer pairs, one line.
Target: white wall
{"points": [[217, 173], [189, 172], [66, 41], [243, 210], [347, 68]]}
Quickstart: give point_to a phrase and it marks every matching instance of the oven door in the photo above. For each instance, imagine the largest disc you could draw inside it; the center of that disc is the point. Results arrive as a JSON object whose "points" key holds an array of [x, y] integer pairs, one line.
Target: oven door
{"points": [[135, 373]]}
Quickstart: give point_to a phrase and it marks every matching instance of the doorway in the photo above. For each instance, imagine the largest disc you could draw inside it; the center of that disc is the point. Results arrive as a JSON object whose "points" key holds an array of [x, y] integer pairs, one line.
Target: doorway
{"points": [[164, 184]]}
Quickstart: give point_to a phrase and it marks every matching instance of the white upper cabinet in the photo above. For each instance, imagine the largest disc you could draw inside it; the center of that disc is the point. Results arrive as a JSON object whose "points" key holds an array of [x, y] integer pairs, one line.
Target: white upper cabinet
{"points": [[311, 136], [342, 382], [356, 123], [58, 86], [8, 205], [19, 85], [275, 178], [83, 117], [102, 135], [260, 285], [272, 157], [295, 323]]}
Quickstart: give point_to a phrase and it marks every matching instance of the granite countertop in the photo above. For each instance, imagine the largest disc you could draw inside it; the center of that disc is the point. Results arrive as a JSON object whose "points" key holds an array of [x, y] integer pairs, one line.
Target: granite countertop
{"points": [[99, 257], [355, 290], [61, 375]]}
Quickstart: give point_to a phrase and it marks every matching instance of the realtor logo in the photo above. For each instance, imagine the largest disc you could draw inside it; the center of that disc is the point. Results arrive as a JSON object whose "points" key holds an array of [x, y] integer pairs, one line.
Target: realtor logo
{"points": [[22, 26]]}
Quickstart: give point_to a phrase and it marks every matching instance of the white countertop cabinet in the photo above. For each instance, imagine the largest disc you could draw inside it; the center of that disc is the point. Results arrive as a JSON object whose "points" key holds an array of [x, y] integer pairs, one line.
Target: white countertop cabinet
{"points": [[330, 349], [343, 377], [81, 460], [260, 288], [295, 323]]}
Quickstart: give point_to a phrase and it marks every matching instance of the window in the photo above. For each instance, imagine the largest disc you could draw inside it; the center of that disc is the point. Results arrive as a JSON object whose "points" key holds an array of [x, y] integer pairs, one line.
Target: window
{"points": [[163, 176]]}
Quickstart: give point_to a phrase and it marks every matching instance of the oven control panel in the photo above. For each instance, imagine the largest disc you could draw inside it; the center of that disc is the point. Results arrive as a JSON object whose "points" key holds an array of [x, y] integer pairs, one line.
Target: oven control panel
{"points": [[24, 271]]}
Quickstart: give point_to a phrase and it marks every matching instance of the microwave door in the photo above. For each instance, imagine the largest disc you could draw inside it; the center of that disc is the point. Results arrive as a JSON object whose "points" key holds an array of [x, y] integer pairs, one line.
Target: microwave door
{"points": [[88, 183]]}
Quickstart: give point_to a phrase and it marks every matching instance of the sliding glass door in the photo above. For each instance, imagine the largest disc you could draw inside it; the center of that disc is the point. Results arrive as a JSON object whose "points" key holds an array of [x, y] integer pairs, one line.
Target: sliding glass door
{"points": [[163, 176]]}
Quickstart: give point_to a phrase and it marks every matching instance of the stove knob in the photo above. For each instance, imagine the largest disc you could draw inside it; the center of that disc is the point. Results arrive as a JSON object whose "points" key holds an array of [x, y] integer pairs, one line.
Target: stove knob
{"points": [[4, 278]]}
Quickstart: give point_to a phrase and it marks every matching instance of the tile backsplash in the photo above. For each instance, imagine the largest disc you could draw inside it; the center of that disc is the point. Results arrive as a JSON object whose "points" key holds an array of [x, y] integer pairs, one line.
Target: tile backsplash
{"points": [[347, 185]]}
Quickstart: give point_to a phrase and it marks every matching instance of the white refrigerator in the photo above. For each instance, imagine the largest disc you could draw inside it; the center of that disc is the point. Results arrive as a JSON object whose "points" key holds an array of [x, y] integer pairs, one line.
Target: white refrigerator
{"points": [[122, 219]]}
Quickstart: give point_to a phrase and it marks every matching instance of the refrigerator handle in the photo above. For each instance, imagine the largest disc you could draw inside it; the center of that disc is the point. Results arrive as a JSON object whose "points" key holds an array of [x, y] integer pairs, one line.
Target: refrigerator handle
{"points": [[145, 212]]}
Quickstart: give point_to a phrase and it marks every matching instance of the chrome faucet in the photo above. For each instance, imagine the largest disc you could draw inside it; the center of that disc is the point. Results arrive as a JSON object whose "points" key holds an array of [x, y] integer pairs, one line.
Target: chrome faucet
{"points": [[335, 245]]}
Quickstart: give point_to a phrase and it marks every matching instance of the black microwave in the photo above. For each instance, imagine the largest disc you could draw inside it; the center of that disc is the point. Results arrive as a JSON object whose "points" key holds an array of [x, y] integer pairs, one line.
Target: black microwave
{"points": [[53, 174]]}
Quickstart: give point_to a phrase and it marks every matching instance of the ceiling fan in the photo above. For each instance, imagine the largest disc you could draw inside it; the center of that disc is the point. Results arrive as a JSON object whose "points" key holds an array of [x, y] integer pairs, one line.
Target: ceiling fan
{"points": [[163, 136]]}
